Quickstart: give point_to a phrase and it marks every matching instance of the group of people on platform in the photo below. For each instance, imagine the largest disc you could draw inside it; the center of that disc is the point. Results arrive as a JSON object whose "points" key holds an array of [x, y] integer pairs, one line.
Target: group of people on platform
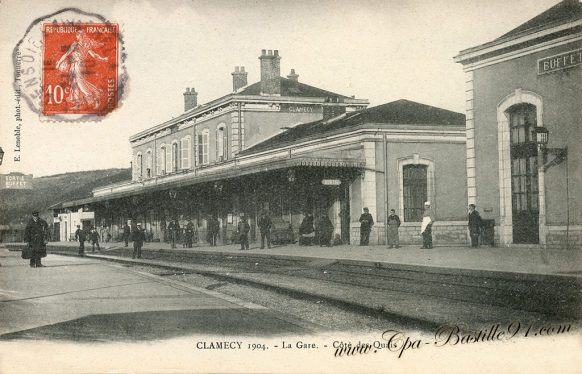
{"points": [[187, 235], [428, 218], [311, 231], [92, 236], [137, 235], [315, 230], [319, 230], [243, 229]]}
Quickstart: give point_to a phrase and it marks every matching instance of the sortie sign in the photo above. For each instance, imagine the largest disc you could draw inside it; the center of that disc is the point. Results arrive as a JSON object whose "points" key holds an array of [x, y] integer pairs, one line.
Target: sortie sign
{"points": [[16, 181], [559, 62]]}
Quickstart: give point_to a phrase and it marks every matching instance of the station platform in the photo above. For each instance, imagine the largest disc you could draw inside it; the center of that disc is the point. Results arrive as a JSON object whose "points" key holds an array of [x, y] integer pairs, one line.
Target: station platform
{"points": [[516, 259]]}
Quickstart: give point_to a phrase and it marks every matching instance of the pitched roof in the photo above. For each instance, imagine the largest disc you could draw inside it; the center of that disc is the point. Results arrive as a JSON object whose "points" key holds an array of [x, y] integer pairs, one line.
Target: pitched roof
{"points": [[563, 12], [290, 88], [524, 35], [400, 112], [404, 112]]}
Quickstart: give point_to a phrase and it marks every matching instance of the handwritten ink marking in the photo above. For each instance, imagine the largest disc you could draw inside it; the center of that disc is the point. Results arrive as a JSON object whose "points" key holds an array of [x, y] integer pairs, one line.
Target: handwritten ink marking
{"points": [[346, 349], [399, 342]]}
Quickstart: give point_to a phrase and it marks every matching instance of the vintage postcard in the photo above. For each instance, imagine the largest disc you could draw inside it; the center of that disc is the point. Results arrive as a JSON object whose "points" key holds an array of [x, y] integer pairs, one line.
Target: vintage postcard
{"points": [[193, 186]]}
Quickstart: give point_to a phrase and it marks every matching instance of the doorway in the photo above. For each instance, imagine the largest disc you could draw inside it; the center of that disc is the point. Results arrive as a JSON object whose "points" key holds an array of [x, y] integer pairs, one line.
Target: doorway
{"points": [[524, 174]]}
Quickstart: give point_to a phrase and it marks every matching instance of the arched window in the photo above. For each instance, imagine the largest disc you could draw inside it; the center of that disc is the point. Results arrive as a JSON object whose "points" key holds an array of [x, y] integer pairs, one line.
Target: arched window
{"points": [[175, 156], [519, 182], [161, 160], [416, 179], [414, 191], [149, 163], [185, 152], [524, 173], [203, 147], [221, 142]]}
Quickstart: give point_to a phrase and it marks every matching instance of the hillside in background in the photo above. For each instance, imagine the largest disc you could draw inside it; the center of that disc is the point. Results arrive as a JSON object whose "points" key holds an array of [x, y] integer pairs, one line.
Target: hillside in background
{"points": [[16, 205]]}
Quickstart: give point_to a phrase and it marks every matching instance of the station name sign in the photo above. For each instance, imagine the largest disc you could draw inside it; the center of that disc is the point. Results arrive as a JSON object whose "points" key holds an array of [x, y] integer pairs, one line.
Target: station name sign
{"points": [[559, 62], [16, 181], [299, 108], [331, 182]]}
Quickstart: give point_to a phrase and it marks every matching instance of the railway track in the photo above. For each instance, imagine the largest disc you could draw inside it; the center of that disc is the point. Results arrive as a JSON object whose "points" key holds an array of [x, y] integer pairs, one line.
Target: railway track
{"points": [[382, 289]]}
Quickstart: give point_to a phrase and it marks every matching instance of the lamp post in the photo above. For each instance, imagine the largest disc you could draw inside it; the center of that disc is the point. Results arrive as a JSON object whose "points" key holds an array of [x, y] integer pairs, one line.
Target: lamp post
{"points": [[560, 154], [1, 155]]}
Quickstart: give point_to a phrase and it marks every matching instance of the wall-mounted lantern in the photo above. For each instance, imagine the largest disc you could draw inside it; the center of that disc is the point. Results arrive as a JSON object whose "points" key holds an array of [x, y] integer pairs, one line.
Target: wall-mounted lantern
{"points": [[542, 140]]}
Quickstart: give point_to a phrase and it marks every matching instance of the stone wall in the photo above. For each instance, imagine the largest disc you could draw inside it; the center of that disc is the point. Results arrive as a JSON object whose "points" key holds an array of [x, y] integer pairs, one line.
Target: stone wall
{"points": [[560, 237], [443, 233]]}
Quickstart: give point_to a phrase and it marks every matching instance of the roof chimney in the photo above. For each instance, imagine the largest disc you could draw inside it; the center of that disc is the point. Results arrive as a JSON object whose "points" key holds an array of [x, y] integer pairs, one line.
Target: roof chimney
{"points": [[270, 72], [239, 78], [190, 99], [292, 76]]}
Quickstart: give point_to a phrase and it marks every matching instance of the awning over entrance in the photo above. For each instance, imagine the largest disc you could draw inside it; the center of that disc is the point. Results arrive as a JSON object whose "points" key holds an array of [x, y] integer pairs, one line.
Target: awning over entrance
{"points": [[212, 174]]}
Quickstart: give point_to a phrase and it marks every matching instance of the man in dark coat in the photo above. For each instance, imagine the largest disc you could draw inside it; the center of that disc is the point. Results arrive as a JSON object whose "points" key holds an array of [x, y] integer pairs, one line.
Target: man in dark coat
{"points": [[81, 236], [173, 229], [265, 225], [126, 233], [366, 223], [393, 225], [36, 235], [94, 236], [213, 228], [474, 225], [243, 233], [325, 230], [189, 234], [138, 237], [306, 230]]}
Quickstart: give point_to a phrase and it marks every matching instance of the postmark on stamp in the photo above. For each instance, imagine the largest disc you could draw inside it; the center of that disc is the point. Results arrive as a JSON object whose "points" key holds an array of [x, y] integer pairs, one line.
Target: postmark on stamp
{"points": [[69, 66]]}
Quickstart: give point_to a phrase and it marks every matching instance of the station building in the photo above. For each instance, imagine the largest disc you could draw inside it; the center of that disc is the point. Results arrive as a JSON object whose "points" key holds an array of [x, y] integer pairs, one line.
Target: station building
{"points": [[523, 89], [289, 148]]}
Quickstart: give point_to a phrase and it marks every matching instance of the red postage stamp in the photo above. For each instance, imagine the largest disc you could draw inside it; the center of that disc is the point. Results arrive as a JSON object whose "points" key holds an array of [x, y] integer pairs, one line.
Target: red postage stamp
{"points": [[80, 63]]}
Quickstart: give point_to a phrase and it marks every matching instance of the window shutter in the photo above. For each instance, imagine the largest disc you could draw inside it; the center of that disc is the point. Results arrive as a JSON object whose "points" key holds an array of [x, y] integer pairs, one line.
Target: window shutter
{"points": [[149, 163], [133, 168], [217, 145], [169, 158], [139, 165], [161, 167], [159, 159], [205, 136], [185, 152]]}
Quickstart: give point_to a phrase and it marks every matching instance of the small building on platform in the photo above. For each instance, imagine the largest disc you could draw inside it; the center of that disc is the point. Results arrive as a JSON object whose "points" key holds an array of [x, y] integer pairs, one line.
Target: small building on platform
{"points": [[66, 220]]}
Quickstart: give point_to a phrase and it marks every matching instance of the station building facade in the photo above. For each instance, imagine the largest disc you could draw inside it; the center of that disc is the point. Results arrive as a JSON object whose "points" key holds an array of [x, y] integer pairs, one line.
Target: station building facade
{"points": [[526, 80], [289, 148]]}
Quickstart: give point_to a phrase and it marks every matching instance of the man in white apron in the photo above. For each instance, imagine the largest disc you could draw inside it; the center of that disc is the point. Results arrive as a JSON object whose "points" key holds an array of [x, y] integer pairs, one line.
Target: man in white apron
{"points": [[426, 227]]}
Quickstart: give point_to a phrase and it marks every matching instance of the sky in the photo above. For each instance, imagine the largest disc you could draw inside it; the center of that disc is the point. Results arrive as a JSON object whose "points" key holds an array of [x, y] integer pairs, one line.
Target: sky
{"points": [[376, 50]]}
